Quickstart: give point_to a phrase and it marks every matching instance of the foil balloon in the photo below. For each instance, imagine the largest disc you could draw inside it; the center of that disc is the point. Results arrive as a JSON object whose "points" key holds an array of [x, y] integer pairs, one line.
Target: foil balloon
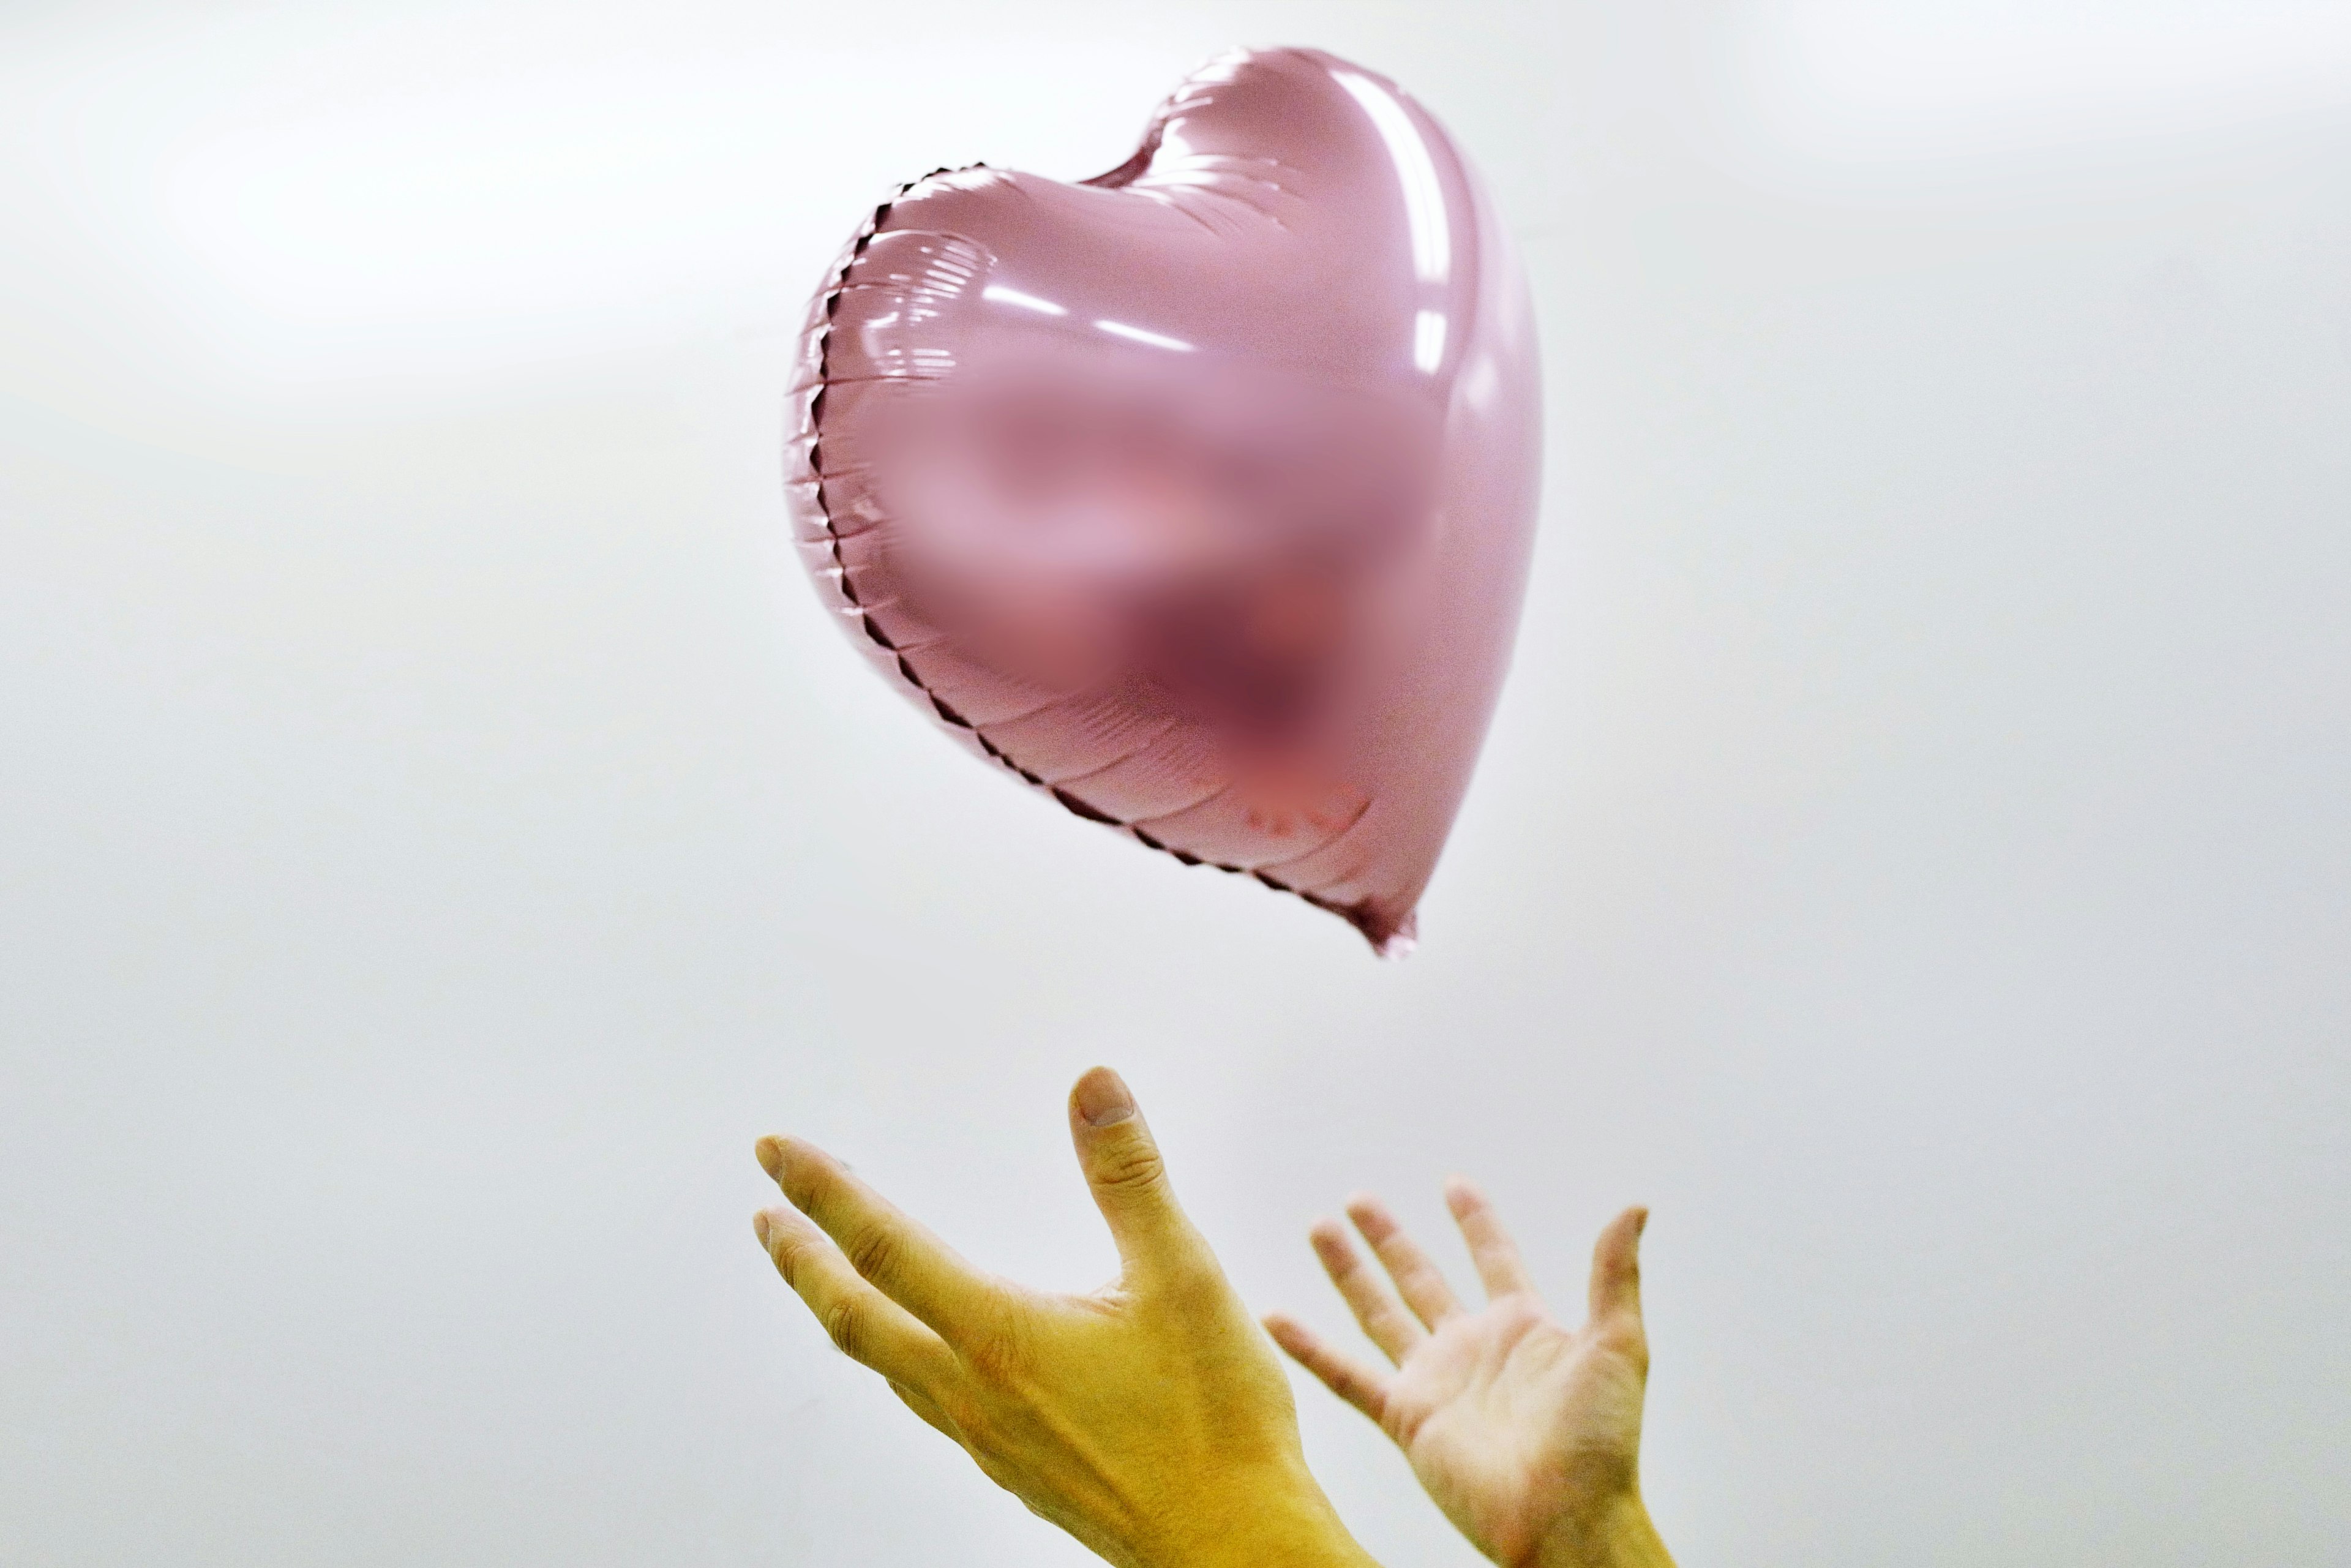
{"points": [[1199, 494]]}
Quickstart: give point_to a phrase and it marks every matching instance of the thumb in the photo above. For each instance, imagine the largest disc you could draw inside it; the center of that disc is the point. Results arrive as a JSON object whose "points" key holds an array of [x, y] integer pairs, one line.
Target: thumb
{"points": [[1128, 1178], [1617, 1269]]}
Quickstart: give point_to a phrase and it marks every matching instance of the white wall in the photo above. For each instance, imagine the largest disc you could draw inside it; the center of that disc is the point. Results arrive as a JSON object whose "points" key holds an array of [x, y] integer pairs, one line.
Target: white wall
{"points": [[437, 832]]}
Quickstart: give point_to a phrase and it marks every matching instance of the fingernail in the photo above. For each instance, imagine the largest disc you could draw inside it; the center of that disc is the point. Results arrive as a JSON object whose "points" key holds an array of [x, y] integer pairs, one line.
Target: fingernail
{"points": [[759, 1227], [1641, 1225], [1103, 1098], [772, 1157]]}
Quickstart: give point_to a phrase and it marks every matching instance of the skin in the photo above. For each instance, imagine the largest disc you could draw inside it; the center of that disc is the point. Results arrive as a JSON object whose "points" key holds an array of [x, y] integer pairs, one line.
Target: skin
{"points": [[1526, 1432], [1151, 1419]]}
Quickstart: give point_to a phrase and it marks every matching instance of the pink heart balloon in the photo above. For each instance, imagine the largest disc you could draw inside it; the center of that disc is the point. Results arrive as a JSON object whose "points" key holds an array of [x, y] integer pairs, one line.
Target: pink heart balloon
{"points": [[1200, 494]]}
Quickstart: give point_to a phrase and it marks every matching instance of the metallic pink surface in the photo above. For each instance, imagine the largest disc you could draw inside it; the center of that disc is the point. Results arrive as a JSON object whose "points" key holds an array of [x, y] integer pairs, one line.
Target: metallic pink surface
{"points": [[1199, 495]]}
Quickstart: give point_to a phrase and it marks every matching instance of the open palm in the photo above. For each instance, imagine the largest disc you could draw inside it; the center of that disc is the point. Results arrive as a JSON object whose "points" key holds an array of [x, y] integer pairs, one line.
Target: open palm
{"points": [[1525, 1432]]}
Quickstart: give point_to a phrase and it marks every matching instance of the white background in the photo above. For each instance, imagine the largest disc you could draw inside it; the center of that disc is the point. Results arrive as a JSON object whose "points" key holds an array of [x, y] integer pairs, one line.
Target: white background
{"points": [[438, 831]]}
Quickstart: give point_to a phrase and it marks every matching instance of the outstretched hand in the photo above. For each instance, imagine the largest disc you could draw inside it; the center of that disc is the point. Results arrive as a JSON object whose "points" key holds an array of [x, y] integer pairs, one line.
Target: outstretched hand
{"points": [[1150, 1419], [1527, 1433]]}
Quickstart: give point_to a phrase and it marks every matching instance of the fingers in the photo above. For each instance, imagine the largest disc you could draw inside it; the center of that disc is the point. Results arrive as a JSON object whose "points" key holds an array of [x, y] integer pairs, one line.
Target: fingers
{"points": [[1129, 1178], [1361, 1385], [867, 1326], [1377, 1312], [1417, 1279], [904, 1262], [1617, 1269], [1498, 1265]]}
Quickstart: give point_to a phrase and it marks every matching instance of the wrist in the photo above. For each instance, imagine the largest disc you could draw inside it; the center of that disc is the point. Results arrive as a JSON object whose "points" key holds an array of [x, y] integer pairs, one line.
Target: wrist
{"points": [[1618, 1534], [1279, 1526]]}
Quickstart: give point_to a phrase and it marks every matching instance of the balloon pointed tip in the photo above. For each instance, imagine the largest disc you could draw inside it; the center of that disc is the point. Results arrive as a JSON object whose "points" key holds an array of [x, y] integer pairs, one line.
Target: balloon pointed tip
{"points": [[1399, 943]]}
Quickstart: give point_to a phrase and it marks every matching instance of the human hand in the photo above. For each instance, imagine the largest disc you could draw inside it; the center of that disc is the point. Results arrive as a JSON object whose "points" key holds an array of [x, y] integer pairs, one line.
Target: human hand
{"points": [[1150, 1419], [1526, 1433]]}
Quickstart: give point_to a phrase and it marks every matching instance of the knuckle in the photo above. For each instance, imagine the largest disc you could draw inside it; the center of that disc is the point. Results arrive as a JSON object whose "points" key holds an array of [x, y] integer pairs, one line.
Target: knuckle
{"points": [[872, 1250], [1132, 1167], [970, 1419], [844, 1324], [994, 1357], [996, 1349], [787, 1252]]}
